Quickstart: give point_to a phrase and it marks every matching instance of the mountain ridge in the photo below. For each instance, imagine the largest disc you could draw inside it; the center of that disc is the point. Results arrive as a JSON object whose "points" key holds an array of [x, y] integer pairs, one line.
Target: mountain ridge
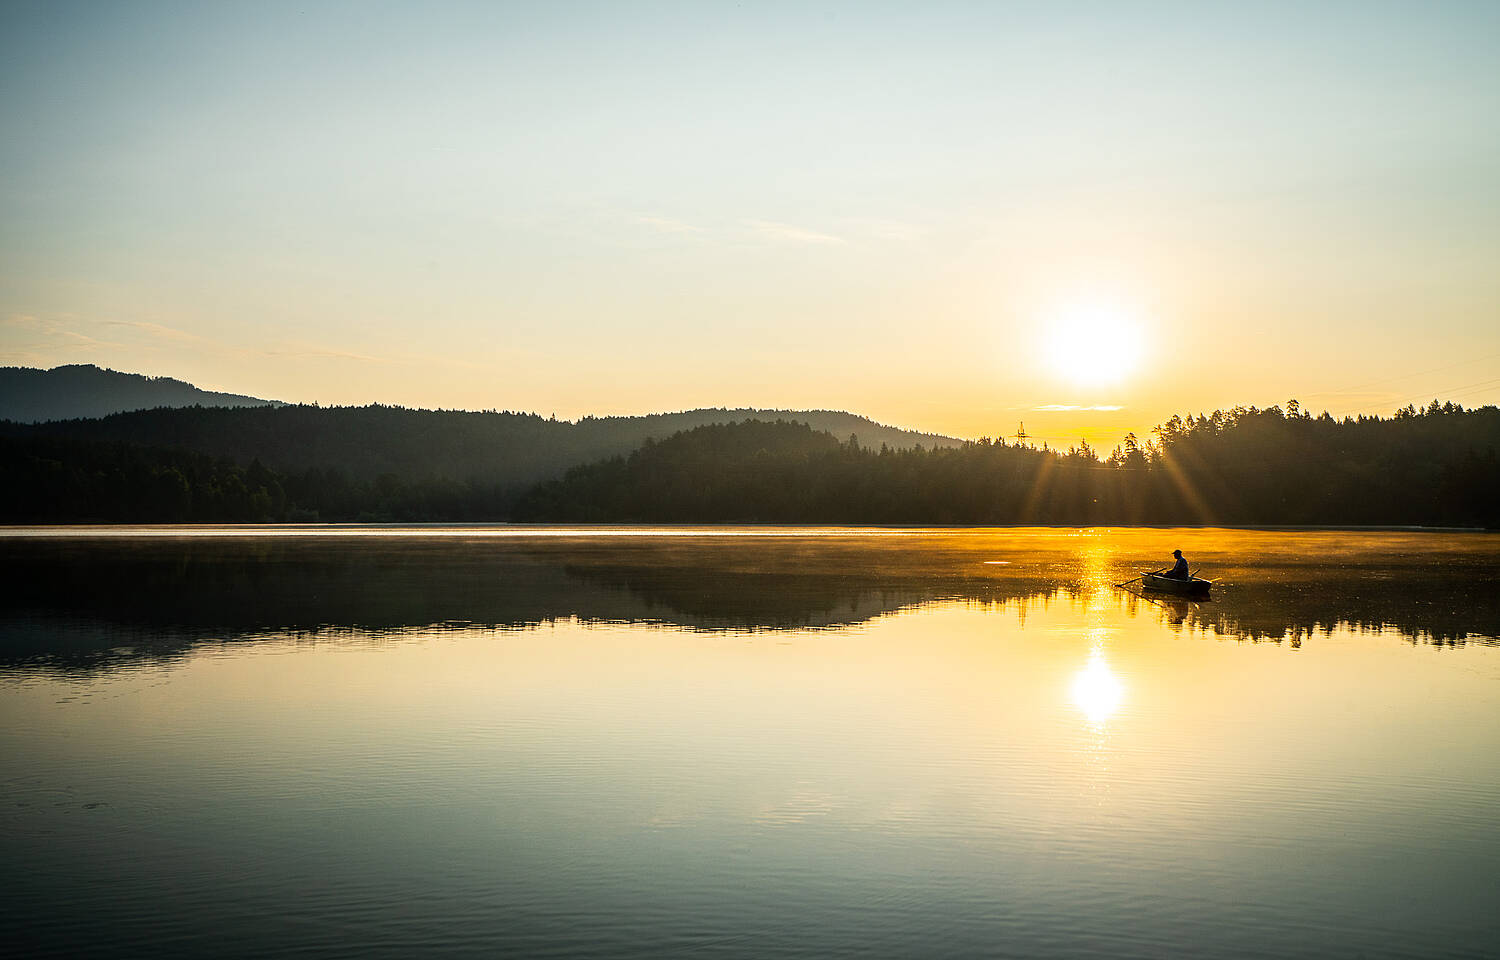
{"points": [[82, 390], [506, 450], [144, 392]]}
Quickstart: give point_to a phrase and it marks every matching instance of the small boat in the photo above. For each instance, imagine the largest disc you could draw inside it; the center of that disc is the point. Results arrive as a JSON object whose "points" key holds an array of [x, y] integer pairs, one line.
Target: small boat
{"points": [[1159, 584]]}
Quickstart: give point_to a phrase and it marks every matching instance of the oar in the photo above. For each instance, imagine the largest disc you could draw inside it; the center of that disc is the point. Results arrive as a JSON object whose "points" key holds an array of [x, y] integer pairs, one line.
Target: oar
{"points": [[1141, 577]]}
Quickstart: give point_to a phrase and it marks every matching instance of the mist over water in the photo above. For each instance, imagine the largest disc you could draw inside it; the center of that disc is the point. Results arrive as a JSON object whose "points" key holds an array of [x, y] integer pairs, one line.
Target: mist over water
{"points": [[748, 742]]}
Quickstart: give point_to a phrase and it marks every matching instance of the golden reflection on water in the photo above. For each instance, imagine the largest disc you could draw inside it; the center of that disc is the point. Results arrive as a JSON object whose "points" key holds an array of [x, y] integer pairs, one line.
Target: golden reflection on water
{"points": [[1063, 743], [975, 731], [1096, 690]]}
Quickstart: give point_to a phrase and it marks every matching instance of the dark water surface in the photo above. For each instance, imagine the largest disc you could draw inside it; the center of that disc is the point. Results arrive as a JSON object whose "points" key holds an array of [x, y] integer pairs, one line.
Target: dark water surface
{"points": [[756, 742]]}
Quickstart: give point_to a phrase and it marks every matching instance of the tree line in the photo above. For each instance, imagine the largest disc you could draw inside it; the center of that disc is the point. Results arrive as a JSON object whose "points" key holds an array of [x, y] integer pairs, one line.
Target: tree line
{"points": [[366, 443], [71, 480], [1435, 466], [1430, 466]]}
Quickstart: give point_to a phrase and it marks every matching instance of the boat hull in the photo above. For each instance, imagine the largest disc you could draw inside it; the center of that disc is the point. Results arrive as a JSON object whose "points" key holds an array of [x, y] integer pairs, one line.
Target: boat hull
{"points": [[1182, 588]]}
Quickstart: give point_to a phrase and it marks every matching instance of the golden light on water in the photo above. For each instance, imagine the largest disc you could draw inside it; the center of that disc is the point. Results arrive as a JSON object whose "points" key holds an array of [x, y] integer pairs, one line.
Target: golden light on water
{"points": [[1096, 690], [1093, 343]]}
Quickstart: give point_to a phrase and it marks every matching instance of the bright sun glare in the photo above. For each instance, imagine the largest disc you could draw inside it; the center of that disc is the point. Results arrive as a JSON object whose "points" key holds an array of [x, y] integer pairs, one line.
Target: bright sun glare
{"points": [[1094, 344], [1096, 690]]}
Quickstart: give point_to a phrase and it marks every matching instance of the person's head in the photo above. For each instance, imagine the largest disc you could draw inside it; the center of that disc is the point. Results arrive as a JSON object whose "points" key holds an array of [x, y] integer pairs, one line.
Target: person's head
{"points": [[1177, 554]]}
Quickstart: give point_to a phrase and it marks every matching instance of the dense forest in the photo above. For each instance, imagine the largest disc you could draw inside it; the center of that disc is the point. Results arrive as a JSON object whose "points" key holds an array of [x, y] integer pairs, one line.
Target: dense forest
{"points": [[1245, 466], [52, 479], [1433, 466], [364, 444]]}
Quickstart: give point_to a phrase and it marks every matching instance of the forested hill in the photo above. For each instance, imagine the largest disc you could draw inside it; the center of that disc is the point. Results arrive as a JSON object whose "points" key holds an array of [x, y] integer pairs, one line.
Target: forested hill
{"points": [[1435, 467], [1246, 466], [29, 395], [842, 425], [364, 443]]}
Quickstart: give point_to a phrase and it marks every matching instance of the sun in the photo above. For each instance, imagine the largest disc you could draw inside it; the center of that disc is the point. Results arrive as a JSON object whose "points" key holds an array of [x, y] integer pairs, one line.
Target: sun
{"points": [[1093, 343]]}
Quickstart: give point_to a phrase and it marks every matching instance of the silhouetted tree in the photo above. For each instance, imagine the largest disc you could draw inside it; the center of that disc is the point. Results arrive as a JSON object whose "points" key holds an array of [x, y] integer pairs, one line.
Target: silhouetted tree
{"points": [[1436, 465]]}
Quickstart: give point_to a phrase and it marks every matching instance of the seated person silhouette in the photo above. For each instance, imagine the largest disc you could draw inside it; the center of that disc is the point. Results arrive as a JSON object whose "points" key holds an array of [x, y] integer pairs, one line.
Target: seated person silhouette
{"points": [[1180, 569]]}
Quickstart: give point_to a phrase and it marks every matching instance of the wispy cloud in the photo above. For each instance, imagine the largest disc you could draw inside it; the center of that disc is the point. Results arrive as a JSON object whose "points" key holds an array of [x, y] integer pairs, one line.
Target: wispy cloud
{"points": [[155, 348], [313, 352], [877, 229], [30, 339], [668, 225], [156, 330], [792, 234], [23, 321], [286, 349], [1075, 407], [777, 231]]}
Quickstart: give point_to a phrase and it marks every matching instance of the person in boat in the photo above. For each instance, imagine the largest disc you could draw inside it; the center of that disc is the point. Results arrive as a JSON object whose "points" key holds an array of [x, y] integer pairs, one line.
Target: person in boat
{"points": [[1180, 569]]}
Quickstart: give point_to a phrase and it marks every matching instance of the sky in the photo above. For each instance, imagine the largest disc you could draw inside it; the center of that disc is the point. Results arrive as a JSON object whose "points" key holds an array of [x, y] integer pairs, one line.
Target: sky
{"points": [[956, 217]]}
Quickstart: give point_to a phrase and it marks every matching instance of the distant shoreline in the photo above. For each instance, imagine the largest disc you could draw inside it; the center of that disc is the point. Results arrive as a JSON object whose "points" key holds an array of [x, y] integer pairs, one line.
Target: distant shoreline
{"points": [[19, 531]]}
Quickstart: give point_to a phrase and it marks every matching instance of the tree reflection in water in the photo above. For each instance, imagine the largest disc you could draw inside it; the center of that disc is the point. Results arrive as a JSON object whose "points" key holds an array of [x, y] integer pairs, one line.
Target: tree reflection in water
{"points": [[88, 602]]}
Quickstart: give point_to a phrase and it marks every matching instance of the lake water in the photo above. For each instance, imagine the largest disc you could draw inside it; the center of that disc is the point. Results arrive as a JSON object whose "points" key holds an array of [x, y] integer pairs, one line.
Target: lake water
{"points": [[757, 742]]}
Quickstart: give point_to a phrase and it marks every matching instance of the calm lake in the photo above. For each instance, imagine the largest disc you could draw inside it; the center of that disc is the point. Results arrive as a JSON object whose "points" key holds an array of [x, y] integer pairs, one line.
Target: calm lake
{"points": [[747, 742]]}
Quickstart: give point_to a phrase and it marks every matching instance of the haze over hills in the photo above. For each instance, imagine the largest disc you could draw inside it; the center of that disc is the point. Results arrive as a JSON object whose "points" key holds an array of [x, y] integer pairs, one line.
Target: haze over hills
{"points": [[1433, 466], [30, 395], [366, 442], [1436, 466], [501, 449]]}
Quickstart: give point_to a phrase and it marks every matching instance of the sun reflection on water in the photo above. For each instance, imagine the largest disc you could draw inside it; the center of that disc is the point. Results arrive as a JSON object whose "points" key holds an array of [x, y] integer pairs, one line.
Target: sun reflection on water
{"points": [[1096, 690]]}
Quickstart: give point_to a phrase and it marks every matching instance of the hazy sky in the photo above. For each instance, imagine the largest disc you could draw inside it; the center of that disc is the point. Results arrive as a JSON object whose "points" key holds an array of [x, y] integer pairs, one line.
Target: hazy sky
{"points": [[886, 208]]}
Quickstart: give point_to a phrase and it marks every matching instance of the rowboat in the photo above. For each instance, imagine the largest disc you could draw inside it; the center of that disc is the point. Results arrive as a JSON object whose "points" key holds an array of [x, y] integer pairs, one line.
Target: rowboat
{"points": [[1160, 584]]}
